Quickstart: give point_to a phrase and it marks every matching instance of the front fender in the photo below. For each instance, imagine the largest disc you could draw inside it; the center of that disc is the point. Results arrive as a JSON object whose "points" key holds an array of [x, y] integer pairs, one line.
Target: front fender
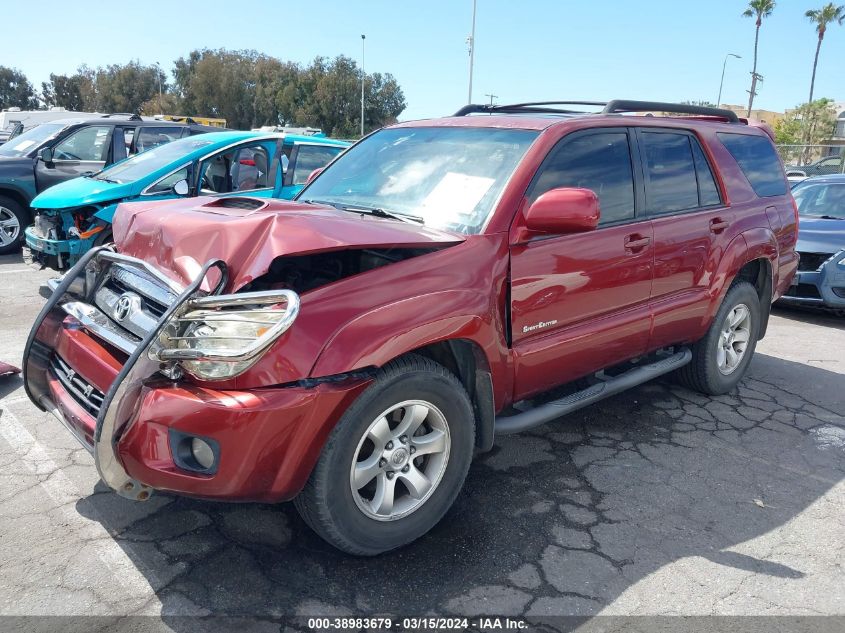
{"points": [[373, 338], [106, 214]]}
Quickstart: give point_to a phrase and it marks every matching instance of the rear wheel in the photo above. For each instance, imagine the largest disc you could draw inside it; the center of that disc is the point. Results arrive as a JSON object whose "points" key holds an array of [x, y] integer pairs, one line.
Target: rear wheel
{"points": [[720, 359], [395, 462], [13, 220]]}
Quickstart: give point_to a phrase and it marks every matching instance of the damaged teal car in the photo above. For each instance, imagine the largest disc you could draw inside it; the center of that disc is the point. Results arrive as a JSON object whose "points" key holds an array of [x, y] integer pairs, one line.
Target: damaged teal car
{"points": [[73, 217]]}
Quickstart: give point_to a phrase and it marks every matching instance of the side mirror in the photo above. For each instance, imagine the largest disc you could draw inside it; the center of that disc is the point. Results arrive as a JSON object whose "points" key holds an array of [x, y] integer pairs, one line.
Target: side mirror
{"points": [[46, 155], [313, 175], [564, 210], [181, 188]]}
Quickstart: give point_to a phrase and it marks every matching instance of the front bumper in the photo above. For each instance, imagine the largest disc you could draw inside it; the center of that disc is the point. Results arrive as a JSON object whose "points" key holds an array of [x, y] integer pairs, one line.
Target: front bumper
{"points": [[68, 251], [823, 287], [131, 417]]}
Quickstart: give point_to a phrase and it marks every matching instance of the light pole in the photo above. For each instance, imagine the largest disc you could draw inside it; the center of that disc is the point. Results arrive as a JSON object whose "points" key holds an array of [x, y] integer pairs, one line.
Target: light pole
{"points": [[471, 44], [363, 75], [721, 83], [158, 67]]}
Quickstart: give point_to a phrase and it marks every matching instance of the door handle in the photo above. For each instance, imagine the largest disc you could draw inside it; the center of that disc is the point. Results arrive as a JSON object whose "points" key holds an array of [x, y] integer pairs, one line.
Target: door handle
{"points": [[635, 243], [717, 225]]}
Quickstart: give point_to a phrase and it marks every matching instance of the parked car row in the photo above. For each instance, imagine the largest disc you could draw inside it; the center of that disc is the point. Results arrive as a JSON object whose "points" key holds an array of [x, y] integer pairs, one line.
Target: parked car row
{"points": [[439, 283], [65, 177]]}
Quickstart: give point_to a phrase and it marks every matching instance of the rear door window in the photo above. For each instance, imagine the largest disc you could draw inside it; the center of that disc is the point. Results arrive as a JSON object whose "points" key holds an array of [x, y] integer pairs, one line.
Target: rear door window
{"points": [[149, 137], [311, 157], [599, 161], [757, 159], [678, 176]]}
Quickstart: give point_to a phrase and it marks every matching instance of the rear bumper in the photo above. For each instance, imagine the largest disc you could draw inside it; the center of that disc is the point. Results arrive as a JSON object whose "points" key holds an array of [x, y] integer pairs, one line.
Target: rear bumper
{"points": [[824, 287], [132, 418]]}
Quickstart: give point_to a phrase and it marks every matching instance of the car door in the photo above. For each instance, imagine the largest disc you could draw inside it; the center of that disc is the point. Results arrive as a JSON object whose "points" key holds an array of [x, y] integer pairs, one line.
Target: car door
{"points": [[304, 159], [83, 151], [691, 229], [579, 302]]}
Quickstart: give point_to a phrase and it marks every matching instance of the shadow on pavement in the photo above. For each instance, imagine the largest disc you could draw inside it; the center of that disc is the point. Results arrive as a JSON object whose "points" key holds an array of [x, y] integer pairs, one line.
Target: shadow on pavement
{"points": [[559, 521]]}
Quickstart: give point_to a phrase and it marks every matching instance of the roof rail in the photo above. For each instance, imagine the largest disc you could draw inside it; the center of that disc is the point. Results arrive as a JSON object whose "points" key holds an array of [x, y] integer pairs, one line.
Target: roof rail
{"points": [[538, 107], [616, 106], [623, 105], [128, 115]]}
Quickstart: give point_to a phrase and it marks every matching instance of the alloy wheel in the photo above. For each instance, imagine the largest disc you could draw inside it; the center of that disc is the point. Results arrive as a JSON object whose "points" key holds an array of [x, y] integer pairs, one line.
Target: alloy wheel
{"points": [[733, 339], [10, 227], [400, 460]]}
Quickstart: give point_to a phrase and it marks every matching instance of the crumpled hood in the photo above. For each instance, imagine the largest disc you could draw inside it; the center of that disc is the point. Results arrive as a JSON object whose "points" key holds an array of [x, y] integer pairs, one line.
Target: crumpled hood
{"points": [[80, 192], [816, 235], [179, 236]]}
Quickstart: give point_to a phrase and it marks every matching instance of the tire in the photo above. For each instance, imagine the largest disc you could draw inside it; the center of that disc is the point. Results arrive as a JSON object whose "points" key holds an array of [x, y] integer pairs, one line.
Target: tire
{"points": [[409, 389], [711, 371], [13, 220], [103, 237]]}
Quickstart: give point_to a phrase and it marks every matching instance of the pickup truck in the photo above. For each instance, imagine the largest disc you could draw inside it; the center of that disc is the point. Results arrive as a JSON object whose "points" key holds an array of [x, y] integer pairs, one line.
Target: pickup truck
{"points": [[438, 284]]}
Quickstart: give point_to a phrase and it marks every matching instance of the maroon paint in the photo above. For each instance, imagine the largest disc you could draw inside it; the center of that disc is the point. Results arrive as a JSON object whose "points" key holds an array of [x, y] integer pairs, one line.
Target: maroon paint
{"points": [[579, 302]]}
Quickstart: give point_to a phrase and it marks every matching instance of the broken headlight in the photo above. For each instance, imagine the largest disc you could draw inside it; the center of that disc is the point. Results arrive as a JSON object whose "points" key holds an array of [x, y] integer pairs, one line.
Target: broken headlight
{"points": [[219, 337]]}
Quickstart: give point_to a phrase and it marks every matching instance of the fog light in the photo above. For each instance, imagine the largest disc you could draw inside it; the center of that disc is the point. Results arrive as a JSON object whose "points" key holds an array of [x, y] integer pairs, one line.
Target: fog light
{"points": [[202, 452]]}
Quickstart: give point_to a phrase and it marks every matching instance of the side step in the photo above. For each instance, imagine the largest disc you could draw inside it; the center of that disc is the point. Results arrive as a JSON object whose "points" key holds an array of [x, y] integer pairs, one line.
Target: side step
{"points": [[508, 424]]}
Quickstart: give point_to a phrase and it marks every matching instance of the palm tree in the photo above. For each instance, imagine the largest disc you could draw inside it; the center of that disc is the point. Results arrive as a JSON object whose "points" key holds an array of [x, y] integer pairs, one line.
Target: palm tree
{"points": [[759, 9], [822, 17]]}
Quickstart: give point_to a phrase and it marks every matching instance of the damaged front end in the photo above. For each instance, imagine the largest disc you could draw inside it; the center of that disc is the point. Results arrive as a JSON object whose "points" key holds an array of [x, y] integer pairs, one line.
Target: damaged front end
{"points": [[130, 326], [59, 237]]}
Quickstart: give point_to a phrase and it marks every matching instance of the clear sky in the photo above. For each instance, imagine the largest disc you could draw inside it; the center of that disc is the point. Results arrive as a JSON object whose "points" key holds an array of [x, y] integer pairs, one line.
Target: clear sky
{"points": [[525, 49]]}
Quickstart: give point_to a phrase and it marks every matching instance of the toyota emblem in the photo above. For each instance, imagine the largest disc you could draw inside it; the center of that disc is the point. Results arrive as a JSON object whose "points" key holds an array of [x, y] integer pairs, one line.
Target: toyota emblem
{"points": [[127, 304]]}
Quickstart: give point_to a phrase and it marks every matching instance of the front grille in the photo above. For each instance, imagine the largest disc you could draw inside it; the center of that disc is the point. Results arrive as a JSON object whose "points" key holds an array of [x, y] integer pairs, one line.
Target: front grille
{"points": [[85, 394], [152, 306], [812, 261]]}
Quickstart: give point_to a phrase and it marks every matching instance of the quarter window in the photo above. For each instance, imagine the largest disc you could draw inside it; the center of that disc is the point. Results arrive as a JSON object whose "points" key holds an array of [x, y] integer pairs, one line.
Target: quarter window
{"points": [[88, 144], [757, 159], [600, 162]]}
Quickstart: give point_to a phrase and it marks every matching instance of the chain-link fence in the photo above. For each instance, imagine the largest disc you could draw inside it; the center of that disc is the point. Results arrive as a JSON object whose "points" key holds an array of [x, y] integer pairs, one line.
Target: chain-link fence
{"points": [[812, 160]]}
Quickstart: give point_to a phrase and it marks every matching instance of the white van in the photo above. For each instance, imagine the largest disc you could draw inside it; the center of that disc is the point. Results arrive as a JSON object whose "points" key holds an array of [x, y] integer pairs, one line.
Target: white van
{"points": [[13, 121]]}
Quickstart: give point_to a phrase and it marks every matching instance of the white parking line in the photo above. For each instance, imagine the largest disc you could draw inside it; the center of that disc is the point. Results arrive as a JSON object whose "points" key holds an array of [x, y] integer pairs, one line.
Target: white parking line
{"points": [[65, 494], [18, 270]]}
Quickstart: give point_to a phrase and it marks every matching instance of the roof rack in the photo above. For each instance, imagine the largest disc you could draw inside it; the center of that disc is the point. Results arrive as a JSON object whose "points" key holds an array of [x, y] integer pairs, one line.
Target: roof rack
{"points": [[616, 106], [128, 115]]}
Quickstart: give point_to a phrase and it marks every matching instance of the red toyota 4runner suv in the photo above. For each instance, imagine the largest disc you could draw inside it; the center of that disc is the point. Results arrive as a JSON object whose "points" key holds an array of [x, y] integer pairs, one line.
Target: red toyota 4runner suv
{"points": [[353, 349]]}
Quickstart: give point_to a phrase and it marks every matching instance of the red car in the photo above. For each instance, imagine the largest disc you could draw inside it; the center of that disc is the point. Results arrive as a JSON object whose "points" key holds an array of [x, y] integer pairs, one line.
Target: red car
{"points": [[352, 350]]}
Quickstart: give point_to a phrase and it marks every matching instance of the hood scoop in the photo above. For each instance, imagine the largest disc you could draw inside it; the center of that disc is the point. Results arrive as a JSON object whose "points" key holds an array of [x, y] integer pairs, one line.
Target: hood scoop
{"points": [[221, 205]]}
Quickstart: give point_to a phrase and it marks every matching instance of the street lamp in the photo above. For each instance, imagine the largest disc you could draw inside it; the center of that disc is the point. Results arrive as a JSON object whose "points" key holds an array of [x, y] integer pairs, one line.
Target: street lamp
{"points": [[158, 67], [722, 82], [363, 75], [471, 44]]}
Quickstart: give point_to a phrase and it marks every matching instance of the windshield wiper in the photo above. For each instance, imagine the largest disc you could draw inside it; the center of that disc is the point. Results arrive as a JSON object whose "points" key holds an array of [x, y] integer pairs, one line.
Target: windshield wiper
{"points": [[823, 217], [376, 211], [383, 213]]}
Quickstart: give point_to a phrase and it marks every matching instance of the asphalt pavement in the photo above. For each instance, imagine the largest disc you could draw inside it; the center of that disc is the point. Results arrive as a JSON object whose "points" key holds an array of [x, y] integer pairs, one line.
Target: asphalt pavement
{"points": [[659, 501]]}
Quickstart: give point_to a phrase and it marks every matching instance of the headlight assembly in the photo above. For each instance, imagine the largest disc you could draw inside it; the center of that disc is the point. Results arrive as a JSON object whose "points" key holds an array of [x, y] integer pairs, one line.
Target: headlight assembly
{"points": [[222, 336]]}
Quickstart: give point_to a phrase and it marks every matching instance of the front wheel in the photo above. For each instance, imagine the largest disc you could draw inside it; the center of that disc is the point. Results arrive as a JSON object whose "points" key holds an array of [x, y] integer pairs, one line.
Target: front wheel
{"points": [[395, 462], [13, 220], [720, 359]]}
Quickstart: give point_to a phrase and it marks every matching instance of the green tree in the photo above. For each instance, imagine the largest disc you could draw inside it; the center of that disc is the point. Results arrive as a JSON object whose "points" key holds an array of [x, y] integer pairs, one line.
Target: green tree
{"points": [[124, 88], [66, 91], [822, 17], [757, 9], [809, 124], [15, 90]]}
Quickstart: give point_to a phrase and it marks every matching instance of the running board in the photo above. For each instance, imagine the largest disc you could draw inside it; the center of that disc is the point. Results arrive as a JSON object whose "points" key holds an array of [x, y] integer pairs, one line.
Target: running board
{"points": [[507, 424]]}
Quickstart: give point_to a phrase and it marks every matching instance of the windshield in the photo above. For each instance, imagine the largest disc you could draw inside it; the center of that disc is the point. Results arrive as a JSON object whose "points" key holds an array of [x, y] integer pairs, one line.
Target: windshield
{"points": [[822, 199], [450, 178], [31, 139], [151, 161]]}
